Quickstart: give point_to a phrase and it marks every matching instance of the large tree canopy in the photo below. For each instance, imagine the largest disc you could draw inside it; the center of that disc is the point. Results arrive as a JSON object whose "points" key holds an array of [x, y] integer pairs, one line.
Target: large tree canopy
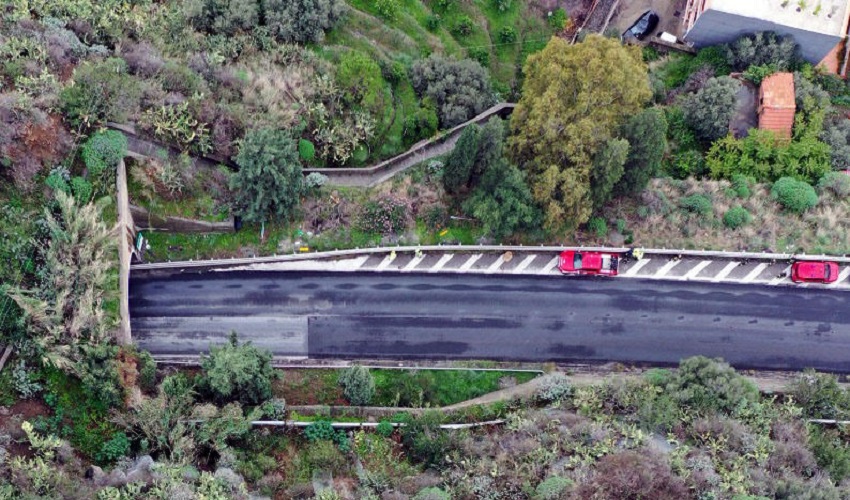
{"points": [[573, 100]]}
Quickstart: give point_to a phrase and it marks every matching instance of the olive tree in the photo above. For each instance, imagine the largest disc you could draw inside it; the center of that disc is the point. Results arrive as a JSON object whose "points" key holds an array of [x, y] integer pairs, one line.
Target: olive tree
{"points": [[301, 21], [237, 372], [710, 110], [460, 89]]}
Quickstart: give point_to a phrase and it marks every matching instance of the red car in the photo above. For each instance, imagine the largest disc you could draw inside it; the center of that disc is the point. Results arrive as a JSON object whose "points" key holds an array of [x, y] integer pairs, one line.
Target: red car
{"points": [[814, 271], [593, 263]]}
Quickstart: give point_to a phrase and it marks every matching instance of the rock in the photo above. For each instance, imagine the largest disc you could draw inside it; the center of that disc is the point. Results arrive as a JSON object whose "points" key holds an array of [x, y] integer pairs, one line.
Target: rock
{"points": [[139, 476], [96, 475], [3, 455], [65, 453], [615, 239], [486, 240], [116, 478], [389, 240], [144, 463], [229, 476], [411, 238], [5, 411]]}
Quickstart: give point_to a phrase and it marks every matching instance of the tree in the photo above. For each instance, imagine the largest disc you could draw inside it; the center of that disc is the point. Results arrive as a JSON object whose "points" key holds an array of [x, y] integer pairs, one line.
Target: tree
{"points": [[269, 182], [764, 49], [710, 110], [359, 77], [491, 141], [237, 372], [222, 16], [502, 202], [765, 157], [66, 308], [358, 385], [837, 135], [608, 167], [573, 100], [460, 162], [301, 21], [460, 89], [647, 136]]}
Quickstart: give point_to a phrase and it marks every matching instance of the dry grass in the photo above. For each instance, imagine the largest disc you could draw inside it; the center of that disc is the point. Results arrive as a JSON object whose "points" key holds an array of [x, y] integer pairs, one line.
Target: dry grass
{"points": [[278, 90], [657, 221]]}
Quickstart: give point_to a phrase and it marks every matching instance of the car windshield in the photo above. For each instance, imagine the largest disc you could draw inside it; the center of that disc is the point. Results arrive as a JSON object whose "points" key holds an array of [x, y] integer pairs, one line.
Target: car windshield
{"points": [[577, 261], [826, 271]]}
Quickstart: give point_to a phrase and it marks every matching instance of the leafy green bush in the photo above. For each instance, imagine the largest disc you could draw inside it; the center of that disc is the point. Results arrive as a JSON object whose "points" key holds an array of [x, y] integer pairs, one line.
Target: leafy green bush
{"points": [[147, 371], [301, 21], [708, 386], [598, 226], [387, 9], [306, 150], [432, 22], [698, 204], [426, 442], [820, 396], [736, 217], [459, 89], [463, 26], [558, 18], [838, 183], [764, 49], [480, 54], [432, 493], [101, 154], [81, 189], [688, 163], [358, 385], [421, 124], [552, 488], [320, 430], [502, 201], [794, 195], [756, 74], [507, 34], [554, 387], [314, 181], [831, 451], [115, 448], [274, 409], [323, 455], [102, 91], [677, 71], [741, 185], [237, 372], [709, 111], [385, 428]]}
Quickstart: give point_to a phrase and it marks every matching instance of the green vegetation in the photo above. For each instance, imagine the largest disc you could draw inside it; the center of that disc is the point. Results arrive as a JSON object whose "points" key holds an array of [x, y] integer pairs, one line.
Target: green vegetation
{"points": [[237, 372]]}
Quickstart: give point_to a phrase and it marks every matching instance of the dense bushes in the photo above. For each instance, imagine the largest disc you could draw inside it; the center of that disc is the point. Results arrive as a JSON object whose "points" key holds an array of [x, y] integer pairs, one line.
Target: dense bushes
{"points": [[102, 91], [836, 134], [385, 215], [502, 202], [647, 136], [710, 110], [794, 195], [706, 385], [358, 385], [237, 372], [460, 89], [301, 21], [762, 49], [736, 217], [838, 183]]}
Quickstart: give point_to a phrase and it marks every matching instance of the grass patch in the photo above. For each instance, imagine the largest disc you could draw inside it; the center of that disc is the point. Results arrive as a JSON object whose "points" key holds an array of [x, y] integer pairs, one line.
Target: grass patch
{"points": [[417, 388], [185, 246]]}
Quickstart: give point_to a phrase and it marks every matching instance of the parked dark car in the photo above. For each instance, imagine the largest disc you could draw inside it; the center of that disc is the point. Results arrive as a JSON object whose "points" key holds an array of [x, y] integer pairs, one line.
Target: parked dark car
{"points": [[643, 26]]}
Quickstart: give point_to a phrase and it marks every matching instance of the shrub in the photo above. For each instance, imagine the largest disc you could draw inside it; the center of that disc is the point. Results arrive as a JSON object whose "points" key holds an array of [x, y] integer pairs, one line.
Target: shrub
{"points": [[387, 9], [147, 371], [81, 189], [688, 163], [707, 385], [459, 89], [838, 183], [386, 215], [222, 16], [358, 385], [794, 195], [315, 180], [102, 91], [836, 134], [502, 201], [301, 21], [507, 34], [552, 488], [457, 172], [385, 428], [633, 474], [480, 54], [820, 396], [426, 442], [698, 204], [237, 372], [432, 22], [741, 185], [756, 74], [274, 409], [463, 26], [422, 124], [709, 111], [598, 226], [764, 156], [736, 217], [323, 455], [359, 77], [24, 381], [115, 448], [102, 152], [306, 150], [558, 18], [831, 452], [553, 388], [647, 136], [501, 5], [320, 430]]}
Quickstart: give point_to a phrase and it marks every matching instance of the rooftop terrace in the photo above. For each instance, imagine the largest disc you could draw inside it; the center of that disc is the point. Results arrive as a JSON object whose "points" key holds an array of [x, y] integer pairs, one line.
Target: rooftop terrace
{"points": [[821, 16]]}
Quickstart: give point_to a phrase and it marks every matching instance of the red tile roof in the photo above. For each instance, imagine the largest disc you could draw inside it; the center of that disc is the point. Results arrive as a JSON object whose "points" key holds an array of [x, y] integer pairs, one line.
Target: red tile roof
{"points": [[776, 104]]}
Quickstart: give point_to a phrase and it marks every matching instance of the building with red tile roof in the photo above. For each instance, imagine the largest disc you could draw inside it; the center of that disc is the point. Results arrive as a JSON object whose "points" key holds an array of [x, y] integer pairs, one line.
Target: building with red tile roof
{"points": [[777, 104]]}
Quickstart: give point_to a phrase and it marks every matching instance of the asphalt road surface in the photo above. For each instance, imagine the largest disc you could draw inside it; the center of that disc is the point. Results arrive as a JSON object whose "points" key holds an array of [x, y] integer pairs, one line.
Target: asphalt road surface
{"points": [[417, 316]]}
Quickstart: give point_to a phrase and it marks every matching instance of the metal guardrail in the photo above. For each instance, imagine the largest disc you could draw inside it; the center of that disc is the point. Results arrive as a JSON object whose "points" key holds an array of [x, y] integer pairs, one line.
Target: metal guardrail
{"points": [[216, 263]]}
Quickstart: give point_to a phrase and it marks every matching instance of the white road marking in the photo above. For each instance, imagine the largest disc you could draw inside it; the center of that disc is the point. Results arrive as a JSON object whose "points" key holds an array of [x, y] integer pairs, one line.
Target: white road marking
{"points": [[754, 273], [469, 262], [696, 270], [548, 267], [637, 267], [786, 275], [524, 264], [841, 276], [413, 263], [666, 268], [495, 265], [386, 262], [725, 271], [442, 262]]}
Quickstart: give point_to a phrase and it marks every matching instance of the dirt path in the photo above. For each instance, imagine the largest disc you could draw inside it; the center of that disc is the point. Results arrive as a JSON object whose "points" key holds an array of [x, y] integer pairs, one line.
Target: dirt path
{"points": [[124, 236]]}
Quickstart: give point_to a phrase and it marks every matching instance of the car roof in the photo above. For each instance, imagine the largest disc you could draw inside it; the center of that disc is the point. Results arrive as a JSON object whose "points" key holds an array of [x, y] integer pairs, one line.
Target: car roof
{"points": [[811, 269]]}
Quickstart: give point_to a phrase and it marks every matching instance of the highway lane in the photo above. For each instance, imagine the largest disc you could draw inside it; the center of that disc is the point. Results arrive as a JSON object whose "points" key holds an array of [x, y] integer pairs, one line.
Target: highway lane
{"points": [[415, 316]]}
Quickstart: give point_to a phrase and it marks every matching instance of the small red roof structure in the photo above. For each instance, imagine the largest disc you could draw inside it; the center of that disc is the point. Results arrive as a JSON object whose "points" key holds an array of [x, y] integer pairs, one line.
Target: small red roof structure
{"points": [[776, 104]]}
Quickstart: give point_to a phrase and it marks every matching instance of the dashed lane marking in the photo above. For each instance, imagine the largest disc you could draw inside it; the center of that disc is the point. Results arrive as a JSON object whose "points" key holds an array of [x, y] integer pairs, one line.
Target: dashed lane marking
{"points": [[725, 271], [496, 265], [551, 265], [841, 276], [470, 262], [637, 267], [696, 270], [786, 275], [442, 262], [386, 262], [666, 268], [524, 264], [413, 263], [754, 273]]}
